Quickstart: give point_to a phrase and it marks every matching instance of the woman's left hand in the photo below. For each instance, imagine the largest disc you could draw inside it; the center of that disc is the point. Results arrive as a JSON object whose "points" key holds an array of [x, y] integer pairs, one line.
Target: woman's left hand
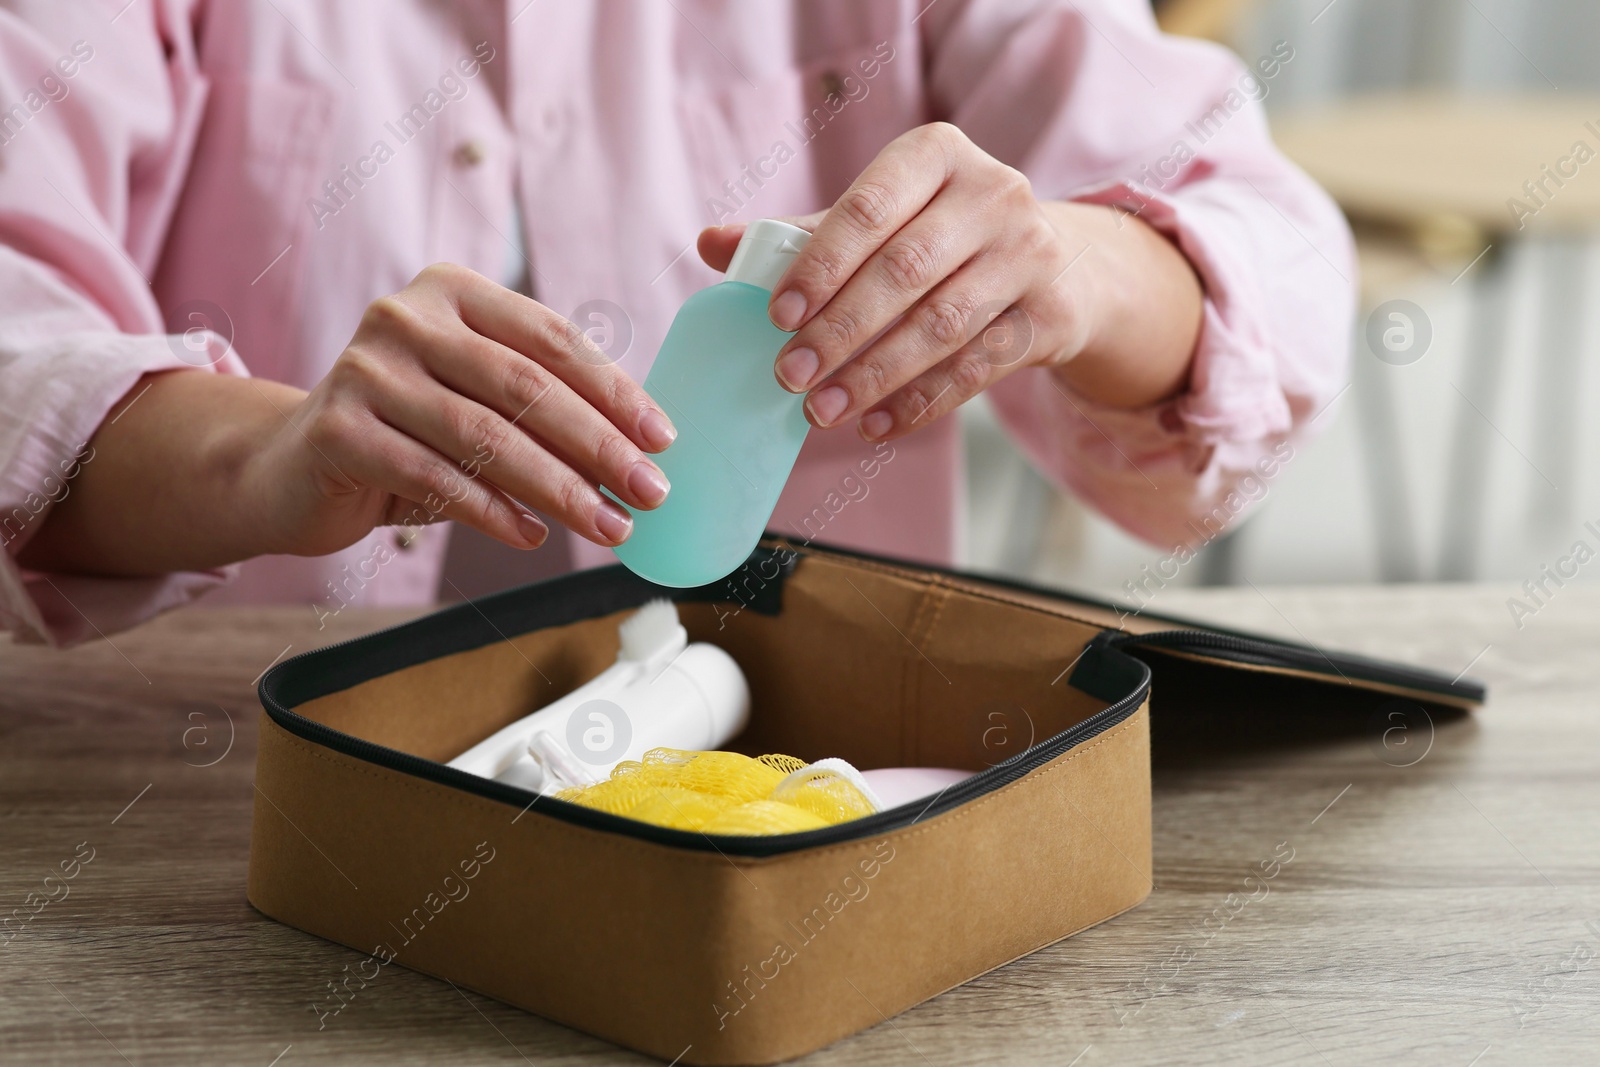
{"points": [[945, 252]]}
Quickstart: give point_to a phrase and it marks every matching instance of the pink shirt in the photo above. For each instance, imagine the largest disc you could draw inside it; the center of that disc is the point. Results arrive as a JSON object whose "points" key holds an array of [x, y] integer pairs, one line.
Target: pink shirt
{"points": [[265, 169]]}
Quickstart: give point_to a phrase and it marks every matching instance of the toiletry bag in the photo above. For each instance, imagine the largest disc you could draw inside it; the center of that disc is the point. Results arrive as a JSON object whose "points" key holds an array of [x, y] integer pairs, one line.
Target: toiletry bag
{"points": [[751, 950]]}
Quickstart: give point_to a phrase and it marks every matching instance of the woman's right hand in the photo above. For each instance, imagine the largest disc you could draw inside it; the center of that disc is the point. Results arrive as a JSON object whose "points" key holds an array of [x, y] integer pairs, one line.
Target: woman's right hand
{"points": [[460, 399]]}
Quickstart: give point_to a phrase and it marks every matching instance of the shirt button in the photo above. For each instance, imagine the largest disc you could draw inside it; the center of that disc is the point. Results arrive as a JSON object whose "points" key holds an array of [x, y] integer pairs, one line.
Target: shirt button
{"points": [[470, 153], [832, 84], [405, 537]]}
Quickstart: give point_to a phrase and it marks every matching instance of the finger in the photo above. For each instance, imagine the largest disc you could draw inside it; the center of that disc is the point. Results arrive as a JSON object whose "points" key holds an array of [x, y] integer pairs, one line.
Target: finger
{"points": [[533, 400], [487, 447], [533, 330], [922, 253], [391, 462], [716, 244], [896, 185], [413, 513], [954, 380], [949, 316]]}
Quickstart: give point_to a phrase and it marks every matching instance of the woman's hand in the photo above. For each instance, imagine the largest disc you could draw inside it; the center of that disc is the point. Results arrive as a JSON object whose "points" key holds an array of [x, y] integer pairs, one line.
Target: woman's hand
{"points": [[455, 399], [938, 273], [460, 399]]}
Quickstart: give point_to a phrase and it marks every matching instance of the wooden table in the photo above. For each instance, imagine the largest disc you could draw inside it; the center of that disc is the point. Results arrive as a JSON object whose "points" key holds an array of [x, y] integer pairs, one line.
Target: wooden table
{"points": [[1442, 909], [1412, 157]]}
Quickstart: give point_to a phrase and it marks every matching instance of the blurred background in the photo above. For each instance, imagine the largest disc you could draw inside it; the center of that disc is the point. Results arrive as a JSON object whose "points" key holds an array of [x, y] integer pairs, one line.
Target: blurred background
{"points": [[1463, 448]]}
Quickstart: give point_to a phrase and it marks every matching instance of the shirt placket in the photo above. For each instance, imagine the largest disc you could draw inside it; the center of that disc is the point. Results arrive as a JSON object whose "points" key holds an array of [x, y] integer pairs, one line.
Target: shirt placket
{"points": [[473, 164], [559, 180]]}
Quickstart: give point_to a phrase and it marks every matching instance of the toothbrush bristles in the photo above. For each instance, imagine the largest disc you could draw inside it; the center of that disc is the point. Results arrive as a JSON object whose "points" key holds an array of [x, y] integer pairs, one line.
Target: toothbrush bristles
{"points": [[649, 629]]}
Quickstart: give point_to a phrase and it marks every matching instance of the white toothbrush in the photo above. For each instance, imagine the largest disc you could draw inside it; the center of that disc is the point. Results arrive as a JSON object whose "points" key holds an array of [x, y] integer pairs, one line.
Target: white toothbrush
{"points": [[662, 692]]}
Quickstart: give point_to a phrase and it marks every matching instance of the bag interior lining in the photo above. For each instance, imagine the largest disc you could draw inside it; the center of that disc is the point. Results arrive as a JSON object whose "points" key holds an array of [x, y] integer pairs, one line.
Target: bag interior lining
{"points": [[877, 668]]}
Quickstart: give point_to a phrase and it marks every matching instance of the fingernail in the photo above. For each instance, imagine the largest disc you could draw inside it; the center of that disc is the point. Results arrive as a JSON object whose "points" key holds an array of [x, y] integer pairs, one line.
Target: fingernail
{"points": [[828, 405], [658, 432], [647, 483], [532, 530], [796, 369], [787, 311], [876, 425], [612, 522]]}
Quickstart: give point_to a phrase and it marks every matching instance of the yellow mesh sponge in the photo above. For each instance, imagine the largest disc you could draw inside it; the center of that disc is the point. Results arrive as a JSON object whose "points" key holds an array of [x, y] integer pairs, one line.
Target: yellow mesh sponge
{"points": [[726, 774], [764, 817], [824, 793], [618, 796], [786, 764], [682, 809], [726, 793]]}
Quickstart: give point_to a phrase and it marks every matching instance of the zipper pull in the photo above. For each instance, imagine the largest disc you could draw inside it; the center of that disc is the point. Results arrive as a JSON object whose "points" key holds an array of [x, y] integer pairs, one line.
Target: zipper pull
{"points": [[1106, 672]]}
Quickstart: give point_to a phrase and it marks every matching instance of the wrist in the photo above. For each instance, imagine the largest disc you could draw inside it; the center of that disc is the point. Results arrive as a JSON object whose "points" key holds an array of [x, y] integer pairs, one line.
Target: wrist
{"points": [[1079, 292], [174, 485], [1140, 303], [257, 458]]}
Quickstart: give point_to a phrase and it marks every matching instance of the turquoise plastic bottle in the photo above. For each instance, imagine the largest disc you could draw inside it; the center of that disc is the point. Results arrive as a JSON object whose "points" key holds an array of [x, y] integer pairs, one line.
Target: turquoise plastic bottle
{"points": [[739, 431]]}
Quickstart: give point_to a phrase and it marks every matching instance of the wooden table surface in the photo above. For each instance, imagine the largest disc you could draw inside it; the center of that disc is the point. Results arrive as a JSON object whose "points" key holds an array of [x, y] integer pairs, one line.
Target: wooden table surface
{"points": [[1409, 157], [1442, 902]]}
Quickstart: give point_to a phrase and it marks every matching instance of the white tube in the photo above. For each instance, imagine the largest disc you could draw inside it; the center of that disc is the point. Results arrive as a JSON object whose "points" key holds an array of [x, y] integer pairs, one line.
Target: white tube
{"points": [[699, 700]]}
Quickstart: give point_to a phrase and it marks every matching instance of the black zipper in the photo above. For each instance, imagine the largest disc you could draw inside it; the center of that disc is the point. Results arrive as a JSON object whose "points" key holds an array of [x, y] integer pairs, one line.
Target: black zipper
{"points": [[1001, 774], [985, 781], [1336, 666], [1198, 635], [1107, 670]]}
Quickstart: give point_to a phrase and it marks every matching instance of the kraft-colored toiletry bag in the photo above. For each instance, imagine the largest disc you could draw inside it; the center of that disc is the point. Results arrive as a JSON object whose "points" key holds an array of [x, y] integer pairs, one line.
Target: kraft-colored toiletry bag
{"points": [[752, 950]]}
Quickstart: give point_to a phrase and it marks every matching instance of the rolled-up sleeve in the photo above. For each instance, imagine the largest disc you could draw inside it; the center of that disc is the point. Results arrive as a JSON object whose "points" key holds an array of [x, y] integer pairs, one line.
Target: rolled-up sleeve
{"points": [[1094, 104], [97, 118]]}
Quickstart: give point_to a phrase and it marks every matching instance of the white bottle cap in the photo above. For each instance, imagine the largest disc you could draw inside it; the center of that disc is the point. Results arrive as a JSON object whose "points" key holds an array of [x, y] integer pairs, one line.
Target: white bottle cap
{"points": [[765, 252]]}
